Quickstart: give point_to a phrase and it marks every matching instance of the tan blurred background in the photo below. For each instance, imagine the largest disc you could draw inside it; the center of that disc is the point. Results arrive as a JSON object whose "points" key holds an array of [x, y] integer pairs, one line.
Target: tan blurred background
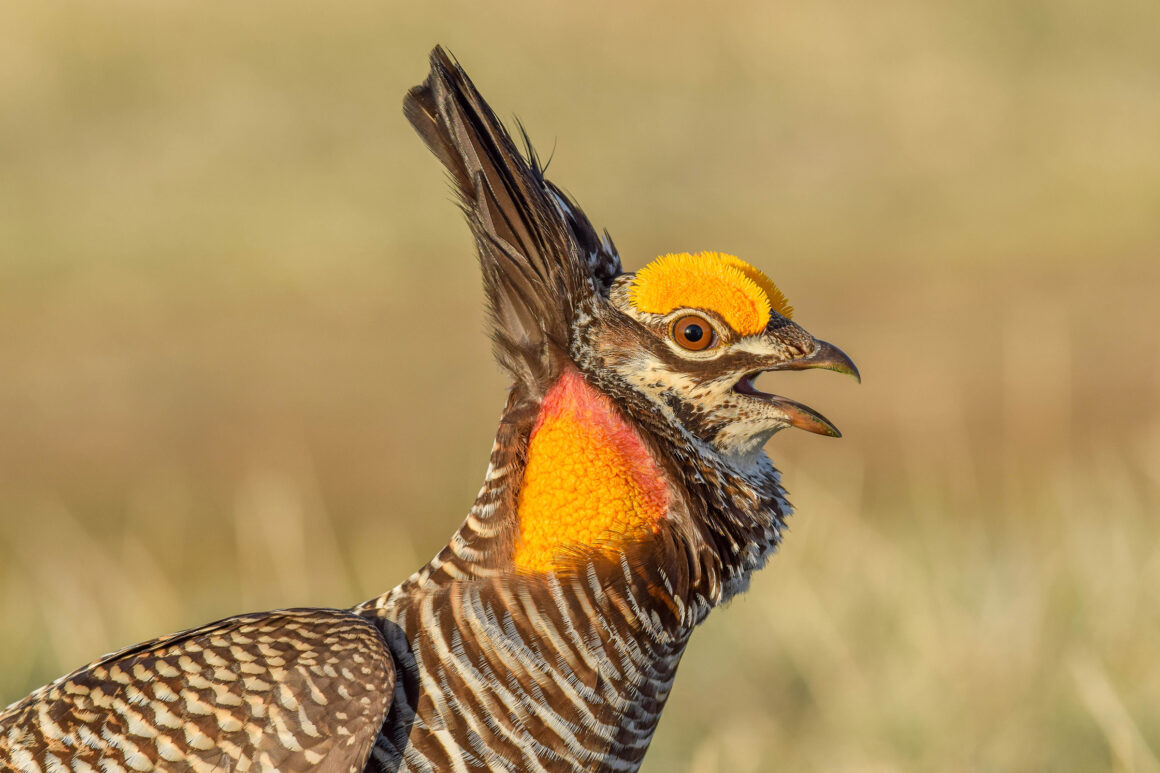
{"points": [[242, 366]]}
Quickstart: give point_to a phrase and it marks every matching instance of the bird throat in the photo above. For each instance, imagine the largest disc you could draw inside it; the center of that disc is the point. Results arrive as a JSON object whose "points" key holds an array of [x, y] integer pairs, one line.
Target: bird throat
{"points": [[590, 483]]}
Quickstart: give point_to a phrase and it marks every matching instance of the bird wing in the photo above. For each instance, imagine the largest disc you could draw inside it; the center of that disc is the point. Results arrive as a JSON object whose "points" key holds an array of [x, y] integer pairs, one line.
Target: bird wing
{"points": [[290, 690], [541, 259]]}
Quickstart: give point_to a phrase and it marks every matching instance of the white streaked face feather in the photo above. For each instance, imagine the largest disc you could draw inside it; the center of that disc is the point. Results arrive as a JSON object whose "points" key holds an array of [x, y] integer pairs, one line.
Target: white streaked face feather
{"points": [[735, 425]]}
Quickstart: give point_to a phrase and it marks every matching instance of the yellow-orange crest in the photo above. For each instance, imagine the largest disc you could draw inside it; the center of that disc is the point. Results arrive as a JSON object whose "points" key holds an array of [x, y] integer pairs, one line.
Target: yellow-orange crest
{"points": [[742, 295], [589, 484]]}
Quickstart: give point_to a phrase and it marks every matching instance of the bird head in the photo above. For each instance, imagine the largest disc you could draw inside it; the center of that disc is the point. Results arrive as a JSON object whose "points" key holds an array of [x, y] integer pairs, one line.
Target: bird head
{"points": [[688, 333], [692, 332]]}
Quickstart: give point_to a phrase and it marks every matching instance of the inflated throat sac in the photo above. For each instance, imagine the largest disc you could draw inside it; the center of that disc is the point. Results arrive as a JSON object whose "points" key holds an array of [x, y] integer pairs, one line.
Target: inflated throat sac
{"points": [[590, 481]]}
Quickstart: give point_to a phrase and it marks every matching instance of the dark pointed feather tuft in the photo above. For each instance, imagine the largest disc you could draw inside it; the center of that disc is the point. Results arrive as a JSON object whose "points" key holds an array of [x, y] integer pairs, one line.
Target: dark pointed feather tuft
{"points": [[541, 259]]}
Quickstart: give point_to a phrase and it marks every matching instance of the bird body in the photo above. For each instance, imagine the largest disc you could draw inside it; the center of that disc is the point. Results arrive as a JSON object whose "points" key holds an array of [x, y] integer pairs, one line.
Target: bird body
{"points": [[627, 494]]}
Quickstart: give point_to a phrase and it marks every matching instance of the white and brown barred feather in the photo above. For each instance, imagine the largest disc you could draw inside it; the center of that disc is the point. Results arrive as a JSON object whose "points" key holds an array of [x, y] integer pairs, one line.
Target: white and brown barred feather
{"points": [[292, 690]]}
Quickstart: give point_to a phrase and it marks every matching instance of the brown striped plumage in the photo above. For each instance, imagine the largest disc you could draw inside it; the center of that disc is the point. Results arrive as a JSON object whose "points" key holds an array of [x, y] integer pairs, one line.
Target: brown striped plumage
{"points": [[477, 662]]}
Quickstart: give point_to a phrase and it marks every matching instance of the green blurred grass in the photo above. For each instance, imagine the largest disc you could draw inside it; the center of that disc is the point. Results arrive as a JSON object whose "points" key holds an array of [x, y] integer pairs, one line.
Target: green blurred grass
{"points": [[241, 359]]}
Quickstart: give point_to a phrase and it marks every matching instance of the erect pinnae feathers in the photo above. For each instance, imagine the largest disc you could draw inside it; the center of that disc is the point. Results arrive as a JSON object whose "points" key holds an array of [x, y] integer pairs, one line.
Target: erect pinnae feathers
{"points": [[540, 258]]}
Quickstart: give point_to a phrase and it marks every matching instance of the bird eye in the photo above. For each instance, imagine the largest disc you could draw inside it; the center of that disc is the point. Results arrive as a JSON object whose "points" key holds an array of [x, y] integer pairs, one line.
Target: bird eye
{"points": [[693, 333]]}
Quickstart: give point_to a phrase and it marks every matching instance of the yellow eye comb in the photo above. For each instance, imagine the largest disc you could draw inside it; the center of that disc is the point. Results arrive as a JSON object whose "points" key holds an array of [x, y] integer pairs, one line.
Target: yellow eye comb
{"points": [[742, 295]]}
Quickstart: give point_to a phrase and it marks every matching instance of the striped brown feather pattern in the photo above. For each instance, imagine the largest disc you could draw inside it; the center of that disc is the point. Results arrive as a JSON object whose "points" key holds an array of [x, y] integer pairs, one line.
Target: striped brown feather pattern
{"points": [[293, 690]]}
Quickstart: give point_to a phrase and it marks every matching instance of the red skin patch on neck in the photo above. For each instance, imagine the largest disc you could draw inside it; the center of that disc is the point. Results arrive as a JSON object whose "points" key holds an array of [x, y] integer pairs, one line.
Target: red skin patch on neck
{"points": [[590, 481]]}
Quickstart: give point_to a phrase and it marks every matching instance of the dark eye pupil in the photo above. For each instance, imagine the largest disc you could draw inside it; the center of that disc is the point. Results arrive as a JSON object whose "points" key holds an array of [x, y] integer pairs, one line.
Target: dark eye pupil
{"points": [[694, 333]]}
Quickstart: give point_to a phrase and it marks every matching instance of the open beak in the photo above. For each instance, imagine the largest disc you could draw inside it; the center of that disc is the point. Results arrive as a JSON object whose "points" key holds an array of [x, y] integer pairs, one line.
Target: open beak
{"points": [[825, 356]]}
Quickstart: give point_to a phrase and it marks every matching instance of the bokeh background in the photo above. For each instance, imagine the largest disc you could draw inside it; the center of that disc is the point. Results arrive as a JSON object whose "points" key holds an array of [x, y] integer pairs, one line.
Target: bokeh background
{"points": [[242, 366]]}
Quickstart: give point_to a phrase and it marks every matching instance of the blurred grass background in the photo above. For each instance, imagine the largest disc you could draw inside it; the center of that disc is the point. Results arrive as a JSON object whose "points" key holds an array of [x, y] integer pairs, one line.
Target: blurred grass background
{"points": [[242, 366]]}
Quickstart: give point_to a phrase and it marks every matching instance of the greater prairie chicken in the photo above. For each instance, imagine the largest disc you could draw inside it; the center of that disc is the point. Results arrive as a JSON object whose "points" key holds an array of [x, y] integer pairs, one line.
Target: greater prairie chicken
{"points": [[627, 495]]}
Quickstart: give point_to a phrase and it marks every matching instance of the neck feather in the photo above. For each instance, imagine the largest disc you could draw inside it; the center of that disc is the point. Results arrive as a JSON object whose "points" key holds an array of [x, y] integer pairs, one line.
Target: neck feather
{"points": [[572, 485]]}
